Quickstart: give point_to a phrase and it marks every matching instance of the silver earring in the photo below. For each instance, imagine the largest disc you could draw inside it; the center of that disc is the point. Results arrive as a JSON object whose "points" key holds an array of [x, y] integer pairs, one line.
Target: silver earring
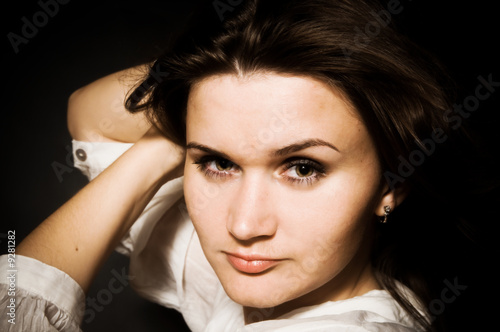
{"points": [[387, 210]]}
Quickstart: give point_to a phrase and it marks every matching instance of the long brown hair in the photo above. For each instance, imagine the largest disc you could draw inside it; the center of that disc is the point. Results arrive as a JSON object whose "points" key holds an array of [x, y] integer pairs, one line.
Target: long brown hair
{"points": [[396, 87]]}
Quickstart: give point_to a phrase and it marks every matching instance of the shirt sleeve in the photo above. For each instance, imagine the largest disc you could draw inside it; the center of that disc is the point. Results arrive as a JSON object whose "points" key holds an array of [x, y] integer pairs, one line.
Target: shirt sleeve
{"points": [[38, 297], [45, 298], [158, 241], [91, 158]]}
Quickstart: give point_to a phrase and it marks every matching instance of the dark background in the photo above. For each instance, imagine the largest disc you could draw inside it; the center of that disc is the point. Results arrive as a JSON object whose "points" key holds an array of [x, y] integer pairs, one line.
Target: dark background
{"points": [[86, 40]]}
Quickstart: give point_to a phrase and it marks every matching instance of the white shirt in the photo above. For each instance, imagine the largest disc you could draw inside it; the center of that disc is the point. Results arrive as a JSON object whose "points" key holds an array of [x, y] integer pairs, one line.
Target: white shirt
{"points": [[167, 266]]}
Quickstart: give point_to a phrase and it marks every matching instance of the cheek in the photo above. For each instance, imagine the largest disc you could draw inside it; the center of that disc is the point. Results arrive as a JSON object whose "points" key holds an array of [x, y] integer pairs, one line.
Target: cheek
{"points": [[320, 230], [327, 226], [332, 211], [338, 203], [196, 195], [205, 204]]}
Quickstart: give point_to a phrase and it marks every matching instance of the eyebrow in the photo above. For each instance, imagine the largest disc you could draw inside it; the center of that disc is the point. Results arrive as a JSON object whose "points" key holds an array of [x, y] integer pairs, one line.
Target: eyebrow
{"points": [[298, 146], [303, 145], [204, 148]]}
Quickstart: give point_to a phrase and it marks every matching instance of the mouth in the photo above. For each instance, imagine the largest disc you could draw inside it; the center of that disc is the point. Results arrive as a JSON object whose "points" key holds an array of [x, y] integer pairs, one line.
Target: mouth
{"points": [[251, 264]]}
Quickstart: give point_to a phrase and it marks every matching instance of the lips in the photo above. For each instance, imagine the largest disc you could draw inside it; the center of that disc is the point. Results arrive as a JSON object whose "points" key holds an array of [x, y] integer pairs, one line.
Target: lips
{"points": [[251, 264]]}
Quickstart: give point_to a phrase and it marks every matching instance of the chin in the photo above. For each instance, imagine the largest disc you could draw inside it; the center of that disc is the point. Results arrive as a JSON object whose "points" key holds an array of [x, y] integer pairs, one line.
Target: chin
{"points": [[252, 299], [264, 291]]}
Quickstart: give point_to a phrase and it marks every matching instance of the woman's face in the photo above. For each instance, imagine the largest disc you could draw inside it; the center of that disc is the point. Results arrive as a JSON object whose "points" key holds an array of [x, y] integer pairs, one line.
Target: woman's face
{"points": [[282, 183]]}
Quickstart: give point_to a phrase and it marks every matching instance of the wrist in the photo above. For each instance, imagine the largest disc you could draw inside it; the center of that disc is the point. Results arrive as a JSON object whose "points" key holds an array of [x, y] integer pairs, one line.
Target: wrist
{"points": [[162, 159]]}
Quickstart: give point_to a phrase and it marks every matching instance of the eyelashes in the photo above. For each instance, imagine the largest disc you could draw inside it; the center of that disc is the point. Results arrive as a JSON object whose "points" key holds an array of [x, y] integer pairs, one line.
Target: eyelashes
{"points": [[305, 171], [297, 170], [214, 167]]}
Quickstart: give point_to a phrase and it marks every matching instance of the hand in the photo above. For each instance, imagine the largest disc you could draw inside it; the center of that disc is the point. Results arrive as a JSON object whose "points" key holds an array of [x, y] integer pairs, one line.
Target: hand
{"points": [[171, 157], [81, 234]]}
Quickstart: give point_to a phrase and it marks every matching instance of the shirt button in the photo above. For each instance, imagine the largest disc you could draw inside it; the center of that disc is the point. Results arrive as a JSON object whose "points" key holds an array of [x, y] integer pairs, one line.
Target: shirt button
{"points": [[81, 155]]}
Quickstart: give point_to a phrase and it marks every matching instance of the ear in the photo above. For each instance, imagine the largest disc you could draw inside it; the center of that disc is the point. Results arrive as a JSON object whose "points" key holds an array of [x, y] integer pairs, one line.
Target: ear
{"points": [[391, 197]]}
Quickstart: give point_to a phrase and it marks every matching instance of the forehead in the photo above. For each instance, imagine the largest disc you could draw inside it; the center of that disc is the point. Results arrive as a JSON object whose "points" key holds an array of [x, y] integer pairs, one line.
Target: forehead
{"points": [[268, 110]]}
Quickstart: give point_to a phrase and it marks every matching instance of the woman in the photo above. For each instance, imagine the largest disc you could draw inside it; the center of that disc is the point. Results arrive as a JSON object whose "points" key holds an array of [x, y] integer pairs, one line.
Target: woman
{"points": [[298, 127]]}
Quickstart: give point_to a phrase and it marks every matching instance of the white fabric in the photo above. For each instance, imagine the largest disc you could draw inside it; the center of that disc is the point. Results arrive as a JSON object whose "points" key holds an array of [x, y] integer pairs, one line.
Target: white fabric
{"points": [[167, 266], [41, 297]]}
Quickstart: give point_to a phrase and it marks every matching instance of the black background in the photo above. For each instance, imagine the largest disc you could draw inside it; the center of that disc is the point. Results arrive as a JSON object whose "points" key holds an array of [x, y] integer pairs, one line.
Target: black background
{"points": [[86, 40]]}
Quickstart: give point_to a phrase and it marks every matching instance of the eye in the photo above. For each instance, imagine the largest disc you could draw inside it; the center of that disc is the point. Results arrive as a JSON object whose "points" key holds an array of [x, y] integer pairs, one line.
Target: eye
{"points": [[215, 167], [223, 164], [304, 171]]}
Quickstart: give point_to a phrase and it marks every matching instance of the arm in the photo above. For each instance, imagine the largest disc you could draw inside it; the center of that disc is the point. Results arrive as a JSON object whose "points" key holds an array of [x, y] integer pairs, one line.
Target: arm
{"points": [[79, 236], [96, 111]]}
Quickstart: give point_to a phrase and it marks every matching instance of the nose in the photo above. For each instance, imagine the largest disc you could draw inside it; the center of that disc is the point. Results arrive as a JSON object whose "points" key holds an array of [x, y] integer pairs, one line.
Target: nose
{"points": [[251, 214]]}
